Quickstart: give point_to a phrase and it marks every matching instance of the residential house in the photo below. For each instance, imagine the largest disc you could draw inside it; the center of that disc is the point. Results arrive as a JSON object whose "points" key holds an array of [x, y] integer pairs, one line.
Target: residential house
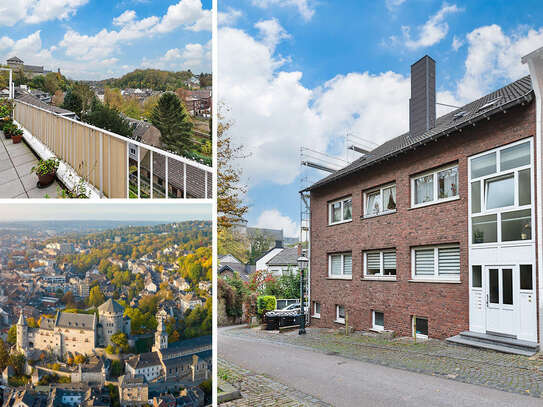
{"points": [[433, 233], [29, 70], [284, 262]]}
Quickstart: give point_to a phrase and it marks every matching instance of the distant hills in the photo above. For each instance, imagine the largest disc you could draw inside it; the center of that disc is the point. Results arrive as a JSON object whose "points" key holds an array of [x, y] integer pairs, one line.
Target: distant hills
{"points": [[155, 79]]}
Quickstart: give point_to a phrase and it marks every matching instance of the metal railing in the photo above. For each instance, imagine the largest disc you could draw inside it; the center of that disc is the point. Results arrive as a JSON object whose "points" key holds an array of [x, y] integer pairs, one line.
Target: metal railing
{"points": [[105, 160]]}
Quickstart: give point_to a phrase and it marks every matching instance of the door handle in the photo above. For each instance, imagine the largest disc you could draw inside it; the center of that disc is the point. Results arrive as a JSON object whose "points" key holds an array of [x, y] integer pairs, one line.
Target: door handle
{"points": [[487, 300]]}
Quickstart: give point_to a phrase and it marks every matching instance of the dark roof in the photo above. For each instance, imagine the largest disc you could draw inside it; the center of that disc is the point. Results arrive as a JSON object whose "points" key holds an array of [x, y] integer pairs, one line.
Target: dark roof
{"points": [[111, 306], [187, 345], [15, 59], [75, 321], [144, 360], [33, 68], [243, 270], [510, 95], [32, 100], [286, 257]]}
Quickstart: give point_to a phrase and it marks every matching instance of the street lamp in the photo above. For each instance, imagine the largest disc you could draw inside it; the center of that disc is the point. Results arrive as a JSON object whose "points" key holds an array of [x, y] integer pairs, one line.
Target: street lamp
{"points": [[302, 265], [11, 87]]}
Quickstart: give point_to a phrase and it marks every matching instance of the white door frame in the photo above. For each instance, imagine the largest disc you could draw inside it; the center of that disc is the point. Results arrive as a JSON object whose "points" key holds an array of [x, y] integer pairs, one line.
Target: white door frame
{"points": [[500, 317]]}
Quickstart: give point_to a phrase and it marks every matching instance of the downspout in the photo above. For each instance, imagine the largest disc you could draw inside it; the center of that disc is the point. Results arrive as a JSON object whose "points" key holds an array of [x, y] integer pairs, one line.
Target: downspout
{"points": [[535, 65]]}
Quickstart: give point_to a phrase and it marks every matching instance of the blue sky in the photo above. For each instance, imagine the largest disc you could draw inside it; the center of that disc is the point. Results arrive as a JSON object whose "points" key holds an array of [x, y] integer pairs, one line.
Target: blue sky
{"points": [[119, 211], [96, 39], [304, 73]]}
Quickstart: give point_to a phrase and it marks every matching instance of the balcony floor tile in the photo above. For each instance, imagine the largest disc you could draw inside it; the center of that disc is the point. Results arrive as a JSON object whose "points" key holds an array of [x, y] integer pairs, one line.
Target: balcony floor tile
{"points": [[11, 189]]}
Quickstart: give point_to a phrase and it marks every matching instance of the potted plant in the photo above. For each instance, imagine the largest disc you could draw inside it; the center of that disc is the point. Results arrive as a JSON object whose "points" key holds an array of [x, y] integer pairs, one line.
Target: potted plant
{"points": [[46, 171], [8, 129], [16, 135]]}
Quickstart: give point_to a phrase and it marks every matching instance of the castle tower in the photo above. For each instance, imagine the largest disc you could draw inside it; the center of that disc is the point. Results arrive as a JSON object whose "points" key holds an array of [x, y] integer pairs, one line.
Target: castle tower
{"points": [[111, 319], [161, 336], [22, 334]]}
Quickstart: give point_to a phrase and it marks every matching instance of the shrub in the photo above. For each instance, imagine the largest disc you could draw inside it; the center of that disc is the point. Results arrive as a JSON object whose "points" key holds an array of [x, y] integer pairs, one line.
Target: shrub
{"points": [[265, 303], [45, 167]]}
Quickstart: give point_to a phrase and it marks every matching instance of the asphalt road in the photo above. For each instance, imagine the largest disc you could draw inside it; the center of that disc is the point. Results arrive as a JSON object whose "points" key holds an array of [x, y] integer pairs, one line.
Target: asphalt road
{"points": [[345, 382]]}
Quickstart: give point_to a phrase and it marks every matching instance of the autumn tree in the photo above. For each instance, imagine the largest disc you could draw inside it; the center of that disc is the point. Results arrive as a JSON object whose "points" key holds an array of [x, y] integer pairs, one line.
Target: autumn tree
{"points": [[230, 206], [171, 118], [96, 297], [58, 98]]}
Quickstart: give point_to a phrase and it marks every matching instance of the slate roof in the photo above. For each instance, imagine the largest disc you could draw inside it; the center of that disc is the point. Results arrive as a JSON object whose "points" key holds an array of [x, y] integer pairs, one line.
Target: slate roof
{"points": [[15, 59], [32, 100], [144, 360], [75, 321], [515, 93], [186, 346], [111, 306], [286, 257]]}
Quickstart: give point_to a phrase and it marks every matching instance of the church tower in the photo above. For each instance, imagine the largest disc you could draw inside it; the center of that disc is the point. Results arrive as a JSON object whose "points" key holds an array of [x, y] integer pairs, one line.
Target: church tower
{"points": [[161, 336], [22, 334]]}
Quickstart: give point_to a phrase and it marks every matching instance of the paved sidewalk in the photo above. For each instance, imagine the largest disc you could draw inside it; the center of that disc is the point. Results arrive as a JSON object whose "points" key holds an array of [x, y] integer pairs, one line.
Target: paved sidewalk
{"points": [[511, 373], [16, 181], [260, 390]]}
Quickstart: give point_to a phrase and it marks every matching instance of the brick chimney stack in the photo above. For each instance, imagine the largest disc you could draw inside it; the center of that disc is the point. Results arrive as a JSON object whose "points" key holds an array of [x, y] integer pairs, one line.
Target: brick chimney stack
{"points": [[422, 105]]}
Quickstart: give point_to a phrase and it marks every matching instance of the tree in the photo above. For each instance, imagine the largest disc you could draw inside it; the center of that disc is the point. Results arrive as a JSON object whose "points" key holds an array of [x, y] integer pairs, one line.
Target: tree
{"points": [[17, 361], [113, 98], [58, 98], [73, 102], [116, 368], [96, 297], [172, 120], [230, 207], [107, 118], [4, 355], [121, 341], [12, 335]]}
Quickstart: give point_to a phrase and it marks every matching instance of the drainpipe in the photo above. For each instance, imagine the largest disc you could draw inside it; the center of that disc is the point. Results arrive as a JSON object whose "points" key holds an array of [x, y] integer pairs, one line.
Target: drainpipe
{"points": [[535, 65]]}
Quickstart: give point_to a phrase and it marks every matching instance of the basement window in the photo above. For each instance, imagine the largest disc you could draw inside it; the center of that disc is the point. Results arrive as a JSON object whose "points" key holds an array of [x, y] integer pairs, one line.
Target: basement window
{"points": [[420, 327], [378, 319], [340, 314]]}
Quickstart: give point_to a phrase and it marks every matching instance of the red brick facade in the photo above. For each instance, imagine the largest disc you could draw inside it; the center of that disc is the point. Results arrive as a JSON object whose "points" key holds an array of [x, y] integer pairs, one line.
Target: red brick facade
{"points": [[446, 305]]}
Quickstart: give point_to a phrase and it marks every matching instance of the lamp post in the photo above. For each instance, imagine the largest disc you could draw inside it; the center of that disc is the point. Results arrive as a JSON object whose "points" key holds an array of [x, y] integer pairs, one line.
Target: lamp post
{"points": [[11, 87], [302, 265]]}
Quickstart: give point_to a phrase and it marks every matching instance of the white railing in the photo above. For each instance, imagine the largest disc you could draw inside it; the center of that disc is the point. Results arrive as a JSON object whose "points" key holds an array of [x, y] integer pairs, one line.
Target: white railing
{"points": [[105, 160]]}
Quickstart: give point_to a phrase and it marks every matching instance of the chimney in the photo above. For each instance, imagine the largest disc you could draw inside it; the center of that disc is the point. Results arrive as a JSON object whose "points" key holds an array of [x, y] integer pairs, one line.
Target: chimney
{"points": [[422, 105]]}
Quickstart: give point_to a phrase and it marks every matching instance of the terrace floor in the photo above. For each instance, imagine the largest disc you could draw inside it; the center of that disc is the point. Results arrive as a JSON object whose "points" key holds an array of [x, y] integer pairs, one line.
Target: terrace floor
{"points": [[16, 181]]}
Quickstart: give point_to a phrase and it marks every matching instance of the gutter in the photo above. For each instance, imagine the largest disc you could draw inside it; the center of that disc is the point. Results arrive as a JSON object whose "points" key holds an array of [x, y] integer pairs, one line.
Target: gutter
{"points": [[527, 97], [535, 64]]}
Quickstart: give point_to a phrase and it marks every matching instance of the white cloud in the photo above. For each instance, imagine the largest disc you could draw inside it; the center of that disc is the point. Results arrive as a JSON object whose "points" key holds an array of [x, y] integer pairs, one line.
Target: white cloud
{"points": [[457, 43], [229, 17], [271, 32], [37, 11], [392, 5], [124, 18], [187, 13], [196, 57], [493, 57], [304, 8], [431, 32], [274, 114], [273, 219]]}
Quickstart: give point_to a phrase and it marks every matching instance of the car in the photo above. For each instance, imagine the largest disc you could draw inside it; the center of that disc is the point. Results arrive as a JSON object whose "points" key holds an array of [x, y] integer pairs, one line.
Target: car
{"points": [[291, 307]]}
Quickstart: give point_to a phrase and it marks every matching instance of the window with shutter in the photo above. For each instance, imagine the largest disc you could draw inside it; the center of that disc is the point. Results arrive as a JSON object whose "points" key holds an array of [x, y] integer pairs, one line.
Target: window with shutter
{"points": [[449, 260], [373, 261], [437, 262], [335, 268], [347, 264], [424, 262], [389, 263], [340, 265]]}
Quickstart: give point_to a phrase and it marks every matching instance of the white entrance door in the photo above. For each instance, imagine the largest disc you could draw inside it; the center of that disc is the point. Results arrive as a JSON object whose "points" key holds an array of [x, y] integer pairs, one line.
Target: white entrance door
{"points": [[502, 300]]}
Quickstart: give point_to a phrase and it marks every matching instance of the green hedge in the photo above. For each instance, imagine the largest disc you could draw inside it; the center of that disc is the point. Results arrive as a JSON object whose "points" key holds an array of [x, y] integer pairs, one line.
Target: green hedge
{"points": [[265, 303]]}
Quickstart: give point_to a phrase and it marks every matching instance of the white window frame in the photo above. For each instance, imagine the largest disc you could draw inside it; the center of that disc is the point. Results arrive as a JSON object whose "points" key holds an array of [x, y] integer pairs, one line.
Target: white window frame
{"points": [[315, 313], [374, 326], [341, 276], [383, 210], [342, 200], [338, 319], [381, 275], [436, 276], [499, 211], [436, 199]]}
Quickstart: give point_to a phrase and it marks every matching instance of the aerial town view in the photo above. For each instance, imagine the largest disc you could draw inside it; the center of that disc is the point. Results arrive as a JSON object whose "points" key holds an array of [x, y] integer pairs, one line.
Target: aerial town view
{"points": [[105, 310]]}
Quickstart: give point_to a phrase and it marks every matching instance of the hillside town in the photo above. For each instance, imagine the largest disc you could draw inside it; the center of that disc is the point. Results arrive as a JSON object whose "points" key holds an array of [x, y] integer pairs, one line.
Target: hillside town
{"points": [[109, 317]]}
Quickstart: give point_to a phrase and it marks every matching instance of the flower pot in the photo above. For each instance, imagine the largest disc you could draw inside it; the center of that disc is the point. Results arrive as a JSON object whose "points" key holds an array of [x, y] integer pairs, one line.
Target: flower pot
{"points": [[7, 134], [16, 139], [46, 180]]}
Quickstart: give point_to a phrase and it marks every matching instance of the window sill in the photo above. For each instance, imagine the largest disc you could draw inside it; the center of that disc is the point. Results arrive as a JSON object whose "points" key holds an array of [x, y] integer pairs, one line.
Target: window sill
{"points": [[430, 280], [378, 214], [339, 321], [340, 223], [316, 316], [369, 278], [339, 278], [423, 205], [377, 329]]}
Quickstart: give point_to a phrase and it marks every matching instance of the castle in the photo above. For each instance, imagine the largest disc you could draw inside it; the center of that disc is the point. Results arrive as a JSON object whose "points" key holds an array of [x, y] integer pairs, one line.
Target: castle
{"points": [[73, 333]]}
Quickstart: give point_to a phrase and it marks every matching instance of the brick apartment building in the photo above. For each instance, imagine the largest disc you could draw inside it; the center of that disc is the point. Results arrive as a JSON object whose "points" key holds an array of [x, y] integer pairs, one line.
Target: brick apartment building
{"points": [[434, 232]]}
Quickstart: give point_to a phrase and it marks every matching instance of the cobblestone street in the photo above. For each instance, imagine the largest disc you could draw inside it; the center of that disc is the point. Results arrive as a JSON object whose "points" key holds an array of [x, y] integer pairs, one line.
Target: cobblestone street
{"points": [[259, 390], [510, 373]]}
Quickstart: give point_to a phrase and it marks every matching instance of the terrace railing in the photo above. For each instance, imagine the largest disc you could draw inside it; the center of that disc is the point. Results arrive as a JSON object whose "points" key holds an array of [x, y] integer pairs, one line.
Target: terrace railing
{"points": [[116, 166]]}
